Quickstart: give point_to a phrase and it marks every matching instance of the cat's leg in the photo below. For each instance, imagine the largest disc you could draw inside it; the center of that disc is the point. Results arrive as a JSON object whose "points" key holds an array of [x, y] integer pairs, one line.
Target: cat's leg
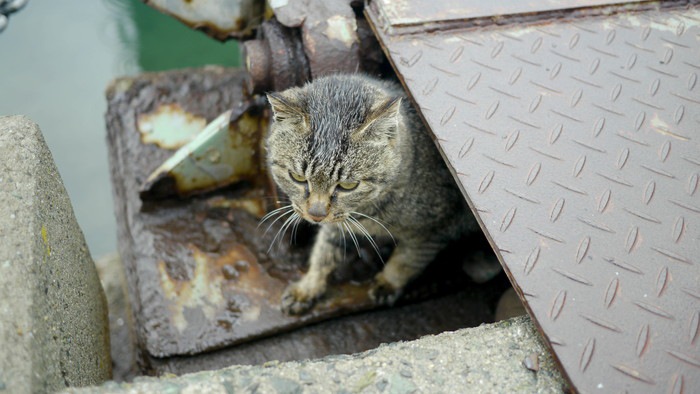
{"points": [[328, 250], [407, 261]]}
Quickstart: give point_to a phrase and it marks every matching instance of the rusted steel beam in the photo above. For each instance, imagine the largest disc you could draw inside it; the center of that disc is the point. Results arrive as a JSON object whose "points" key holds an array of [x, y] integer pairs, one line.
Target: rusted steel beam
{"points": [[201, 273]]}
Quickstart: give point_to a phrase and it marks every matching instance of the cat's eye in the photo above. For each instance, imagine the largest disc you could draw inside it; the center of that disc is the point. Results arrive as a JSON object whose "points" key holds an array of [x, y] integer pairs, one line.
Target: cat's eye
{"points": [[297, 177], [347, 186]]}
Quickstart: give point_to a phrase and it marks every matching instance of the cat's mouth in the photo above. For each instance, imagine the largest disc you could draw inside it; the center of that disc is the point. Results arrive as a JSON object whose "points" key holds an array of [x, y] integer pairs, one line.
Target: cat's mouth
{"points": [[314, 215], [327, 219]]}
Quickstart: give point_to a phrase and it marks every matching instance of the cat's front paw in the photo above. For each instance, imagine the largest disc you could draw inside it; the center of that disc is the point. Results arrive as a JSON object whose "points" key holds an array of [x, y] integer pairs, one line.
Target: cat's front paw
{"points": [[382, 292], [298, 299]]}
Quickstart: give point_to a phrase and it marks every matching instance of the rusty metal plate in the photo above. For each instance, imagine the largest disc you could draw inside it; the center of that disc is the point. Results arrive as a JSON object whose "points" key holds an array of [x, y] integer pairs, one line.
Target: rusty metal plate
{"points": [[221, 19], [576, 142], [348, 334], [201, 274]]}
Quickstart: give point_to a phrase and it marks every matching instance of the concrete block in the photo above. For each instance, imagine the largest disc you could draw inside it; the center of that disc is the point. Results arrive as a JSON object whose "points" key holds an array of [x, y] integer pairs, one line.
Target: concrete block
{"points": [[505, 357], [53, 313]]}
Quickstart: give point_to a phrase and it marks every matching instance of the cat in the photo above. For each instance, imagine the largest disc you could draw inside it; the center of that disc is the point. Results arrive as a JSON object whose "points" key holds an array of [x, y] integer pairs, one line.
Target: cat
{"points": [[353, 156]]}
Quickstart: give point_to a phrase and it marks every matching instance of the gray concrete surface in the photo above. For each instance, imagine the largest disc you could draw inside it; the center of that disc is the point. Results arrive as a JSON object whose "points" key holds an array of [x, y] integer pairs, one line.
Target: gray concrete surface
{"points": [[486, 359], [124, 349], [53, 316]]}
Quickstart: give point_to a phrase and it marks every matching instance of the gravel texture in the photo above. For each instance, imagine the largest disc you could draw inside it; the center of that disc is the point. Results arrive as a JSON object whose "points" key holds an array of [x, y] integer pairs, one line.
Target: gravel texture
{"points": [[487, 359]]}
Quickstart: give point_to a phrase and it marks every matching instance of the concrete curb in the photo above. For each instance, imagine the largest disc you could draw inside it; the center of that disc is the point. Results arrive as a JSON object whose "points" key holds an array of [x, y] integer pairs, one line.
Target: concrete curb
{"points": [[53, 313], [505, 357]]}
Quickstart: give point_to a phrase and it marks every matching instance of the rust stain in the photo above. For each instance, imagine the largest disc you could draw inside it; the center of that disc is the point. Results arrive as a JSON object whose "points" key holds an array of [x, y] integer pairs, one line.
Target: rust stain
{"points": [[205, 289]]}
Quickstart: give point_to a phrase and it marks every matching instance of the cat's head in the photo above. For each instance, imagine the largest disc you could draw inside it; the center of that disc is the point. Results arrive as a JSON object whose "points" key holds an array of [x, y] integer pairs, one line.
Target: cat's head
{"points": [[333, 145]]}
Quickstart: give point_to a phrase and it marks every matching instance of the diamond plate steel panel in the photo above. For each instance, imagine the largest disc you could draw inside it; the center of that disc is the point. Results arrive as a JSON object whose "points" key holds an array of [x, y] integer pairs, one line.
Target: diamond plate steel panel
{"points": [[405, 13], [577, 144]]}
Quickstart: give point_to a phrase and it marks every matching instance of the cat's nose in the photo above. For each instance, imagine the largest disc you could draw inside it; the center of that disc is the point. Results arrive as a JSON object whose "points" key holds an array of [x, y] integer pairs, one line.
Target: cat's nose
{"points": [[318, 211]]}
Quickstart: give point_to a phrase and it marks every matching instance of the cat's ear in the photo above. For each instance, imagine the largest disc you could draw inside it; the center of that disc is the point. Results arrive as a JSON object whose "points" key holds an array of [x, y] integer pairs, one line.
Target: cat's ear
{"points": [[283, 108], [382, 121]]}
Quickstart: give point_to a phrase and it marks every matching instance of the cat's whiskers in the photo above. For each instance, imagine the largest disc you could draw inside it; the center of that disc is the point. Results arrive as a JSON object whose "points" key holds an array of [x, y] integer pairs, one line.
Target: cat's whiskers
{"points": [[342, 233], [353, 237], [295, 226], [273, 213], [288, 222], [281, 215], [286, 226], [275, 199], [376, 221], [367, 235]]}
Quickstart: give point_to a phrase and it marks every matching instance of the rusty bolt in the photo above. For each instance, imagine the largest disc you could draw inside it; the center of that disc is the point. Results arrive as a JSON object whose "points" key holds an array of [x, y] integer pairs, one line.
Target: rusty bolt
{"points": [[257, 62], [277, 60]]}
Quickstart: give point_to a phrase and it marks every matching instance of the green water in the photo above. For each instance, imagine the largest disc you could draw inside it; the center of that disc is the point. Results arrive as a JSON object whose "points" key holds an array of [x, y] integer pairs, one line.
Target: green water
{"points": [[57, 58]]}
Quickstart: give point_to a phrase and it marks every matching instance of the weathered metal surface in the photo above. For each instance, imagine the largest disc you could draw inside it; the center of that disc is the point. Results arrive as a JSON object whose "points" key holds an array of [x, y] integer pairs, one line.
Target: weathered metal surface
{"points": [[221, 19], [328, 31], [277, 60], [349, 334], [201, 273], [228, 150], [576, 143], [409, 15], [309, 39]]}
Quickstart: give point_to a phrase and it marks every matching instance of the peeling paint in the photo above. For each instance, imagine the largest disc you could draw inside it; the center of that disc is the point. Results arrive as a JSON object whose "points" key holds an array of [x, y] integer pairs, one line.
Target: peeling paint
{"points": [[169, 126], [225, 152], [342, 29], [220, 19]]}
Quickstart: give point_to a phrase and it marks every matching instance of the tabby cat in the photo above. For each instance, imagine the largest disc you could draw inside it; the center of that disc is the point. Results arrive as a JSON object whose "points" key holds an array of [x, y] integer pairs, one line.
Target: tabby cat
{"points": [[353, 157]]}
